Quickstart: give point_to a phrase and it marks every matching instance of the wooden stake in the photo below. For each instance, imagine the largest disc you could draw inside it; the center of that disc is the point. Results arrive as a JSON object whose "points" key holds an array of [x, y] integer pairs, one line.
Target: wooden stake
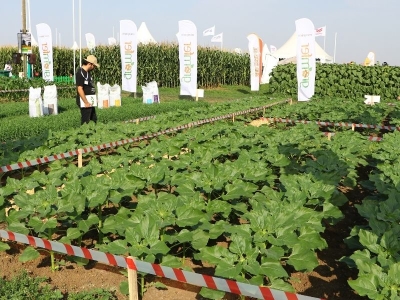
{"points": [[132, 283], [137, 121], [197, 94], [233, 118], [79, 158], [329, 136], [291, 101], [352, 126]]}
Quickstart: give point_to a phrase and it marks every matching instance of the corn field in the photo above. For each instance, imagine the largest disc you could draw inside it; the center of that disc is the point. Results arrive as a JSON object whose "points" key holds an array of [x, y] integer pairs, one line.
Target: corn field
{"points": [[159, 62]]}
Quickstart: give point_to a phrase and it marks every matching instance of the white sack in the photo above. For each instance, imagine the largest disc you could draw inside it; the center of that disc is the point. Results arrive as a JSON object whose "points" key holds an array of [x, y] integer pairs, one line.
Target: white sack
{"points": [[115, 95], [50, 101], [150, 93], [35, 102], [103, 95]]}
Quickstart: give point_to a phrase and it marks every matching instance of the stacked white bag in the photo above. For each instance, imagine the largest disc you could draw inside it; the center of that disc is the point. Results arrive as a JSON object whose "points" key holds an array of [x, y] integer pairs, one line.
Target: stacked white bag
{"points": [[50, 102], [35, 102], [115, 95], [103, 95], [150, 93]]}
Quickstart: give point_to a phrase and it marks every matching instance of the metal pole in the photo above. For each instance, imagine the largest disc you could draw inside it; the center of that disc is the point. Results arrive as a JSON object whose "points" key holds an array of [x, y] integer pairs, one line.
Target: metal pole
{"points": [[24, 64], [24, 16], [73, 36], [334, 50], [29, 29], [29, 17], [80, 32]]}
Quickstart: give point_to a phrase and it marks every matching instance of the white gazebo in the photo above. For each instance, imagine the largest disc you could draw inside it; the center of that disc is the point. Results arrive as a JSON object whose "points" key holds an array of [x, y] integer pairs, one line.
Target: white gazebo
{"points": [[144, 36], [288, 51]]}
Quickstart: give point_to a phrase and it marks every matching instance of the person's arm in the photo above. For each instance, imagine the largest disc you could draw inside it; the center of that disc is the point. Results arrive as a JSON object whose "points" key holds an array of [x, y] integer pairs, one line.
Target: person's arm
{"points": [[79, 88], [83, 96]]}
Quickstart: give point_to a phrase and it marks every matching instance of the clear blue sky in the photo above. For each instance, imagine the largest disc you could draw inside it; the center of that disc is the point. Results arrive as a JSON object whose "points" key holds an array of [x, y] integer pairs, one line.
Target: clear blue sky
{"points": [[361, 25]]}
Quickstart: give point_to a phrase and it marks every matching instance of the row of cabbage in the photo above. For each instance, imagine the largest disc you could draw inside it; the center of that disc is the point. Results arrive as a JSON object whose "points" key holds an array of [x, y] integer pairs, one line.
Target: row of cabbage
{"points": [[61, 133], [376, 243], [15, 123]]}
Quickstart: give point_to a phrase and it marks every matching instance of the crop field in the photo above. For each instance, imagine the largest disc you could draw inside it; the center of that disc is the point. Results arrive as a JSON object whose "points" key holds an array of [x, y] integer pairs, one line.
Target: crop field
{"points": [[234, 186]]}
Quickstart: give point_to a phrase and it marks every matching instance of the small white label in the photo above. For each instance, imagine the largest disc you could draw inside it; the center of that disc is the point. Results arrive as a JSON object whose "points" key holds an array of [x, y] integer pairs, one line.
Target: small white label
{"points": [[200, 93]]}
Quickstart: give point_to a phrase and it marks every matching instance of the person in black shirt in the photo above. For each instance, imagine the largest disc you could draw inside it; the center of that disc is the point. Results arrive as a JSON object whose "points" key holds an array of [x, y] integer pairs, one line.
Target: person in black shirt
{"points": [[85, 87]]}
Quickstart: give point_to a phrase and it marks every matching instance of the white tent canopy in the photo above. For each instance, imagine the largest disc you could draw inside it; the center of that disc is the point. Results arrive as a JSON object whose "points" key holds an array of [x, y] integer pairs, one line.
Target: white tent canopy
{"points": [[288, 50], [144, 36], [269, 62]]}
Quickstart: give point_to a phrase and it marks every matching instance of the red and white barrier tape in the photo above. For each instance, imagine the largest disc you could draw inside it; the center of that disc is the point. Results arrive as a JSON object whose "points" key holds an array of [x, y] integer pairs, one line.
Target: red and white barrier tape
{"points": [[140, 119], [370, 138], [43, 160], [42, 88], [338, 124], [211, 282]]}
